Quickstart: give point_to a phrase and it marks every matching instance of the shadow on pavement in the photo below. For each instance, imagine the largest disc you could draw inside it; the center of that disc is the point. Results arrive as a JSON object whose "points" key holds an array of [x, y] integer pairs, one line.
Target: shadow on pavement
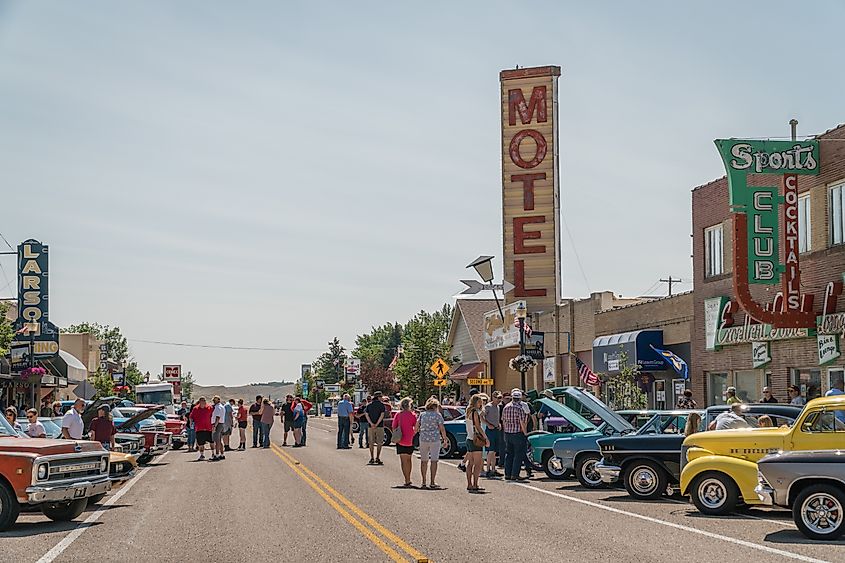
{"points": [[796, 537], [629, 499], [27, 529]]}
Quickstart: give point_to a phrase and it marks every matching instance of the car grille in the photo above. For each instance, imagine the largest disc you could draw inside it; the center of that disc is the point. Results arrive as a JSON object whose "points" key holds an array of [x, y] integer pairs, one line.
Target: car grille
{"points": [[74, 468]]}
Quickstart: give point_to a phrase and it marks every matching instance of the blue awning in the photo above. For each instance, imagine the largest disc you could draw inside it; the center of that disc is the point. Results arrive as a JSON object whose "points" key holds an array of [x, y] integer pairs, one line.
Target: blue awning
{"points": [[634, 347]]}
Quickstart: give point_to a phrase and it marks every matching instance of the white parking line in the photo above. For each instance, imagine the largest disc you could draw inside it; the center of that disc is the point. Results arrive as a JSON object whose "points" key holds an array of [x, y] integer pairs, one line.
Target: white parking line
{"points": [[719, 537], [76, 532]]}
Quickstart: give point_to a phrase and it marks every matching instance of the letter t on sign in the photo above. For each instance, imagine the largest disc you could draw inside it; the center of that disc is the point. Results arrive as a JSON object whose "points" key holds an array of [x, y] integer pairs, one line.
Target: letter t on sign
{"points": [[528, 188]]}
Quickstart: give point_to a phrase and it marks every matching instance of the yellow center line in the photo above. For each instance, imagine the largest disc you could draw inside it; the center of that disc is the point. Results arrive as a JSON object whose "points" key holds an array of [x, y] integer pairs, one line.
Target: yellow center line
{"points": [[404, 546], [381, 544]]}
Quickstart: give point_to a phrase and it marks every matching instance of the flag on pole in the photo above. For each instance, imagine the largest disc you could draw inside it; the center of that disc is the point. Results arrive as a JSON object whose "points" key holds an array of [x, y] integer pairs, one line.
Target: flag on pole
{"points": [[677, 363], [585, 373]]}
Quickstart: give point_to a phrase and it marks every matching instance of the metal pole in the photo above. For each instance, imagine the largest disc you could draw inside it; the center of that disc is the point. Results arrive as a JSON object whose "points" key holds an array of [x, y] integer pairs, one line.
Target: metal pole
{"points": [[498, 305], [522, 351], [32, 366]]}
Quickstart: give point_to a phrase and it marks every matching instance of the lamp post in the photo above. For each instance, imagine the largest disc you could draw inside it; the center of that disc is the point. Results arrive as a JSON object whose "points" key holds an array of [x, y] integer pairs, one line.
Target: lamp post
{"points": [[31, 328], [484, 268], [520, 315]]}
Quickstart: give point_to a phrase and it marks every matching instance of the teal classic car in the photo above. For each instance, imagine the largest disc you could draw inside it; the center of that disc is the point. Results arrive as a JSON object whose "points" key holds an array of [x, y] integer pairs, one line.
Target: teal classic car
{"points": [[558, 420]]}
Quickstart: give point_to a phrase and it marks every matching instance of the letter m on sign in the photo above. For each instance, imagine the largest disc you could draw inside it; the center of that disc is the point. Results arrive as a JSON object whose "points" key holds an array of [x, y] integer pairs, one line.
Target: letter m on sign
{"points": [[517, 103]]}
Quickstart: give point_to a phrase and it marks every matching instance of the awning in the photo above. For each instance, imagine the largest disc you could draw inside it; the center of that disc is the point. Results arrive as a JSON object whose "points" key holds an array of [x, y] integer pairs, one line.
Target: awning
{"points": [[608, 351], [66, 365], [467, 371]]}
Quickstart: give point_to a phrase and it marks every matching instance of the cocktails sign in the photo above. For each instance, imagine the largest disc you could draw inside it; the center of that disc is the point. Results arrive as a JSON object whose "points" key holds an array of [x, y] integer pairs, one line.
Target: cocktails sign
{"points": [[757, 252]]}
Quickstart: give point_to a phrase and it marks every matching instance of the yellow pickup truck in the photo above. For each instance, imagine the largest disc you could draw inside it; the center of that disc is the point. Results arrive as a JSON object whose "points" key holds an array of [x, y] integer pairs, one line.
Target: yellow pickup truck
{"points": [[719, 468]]}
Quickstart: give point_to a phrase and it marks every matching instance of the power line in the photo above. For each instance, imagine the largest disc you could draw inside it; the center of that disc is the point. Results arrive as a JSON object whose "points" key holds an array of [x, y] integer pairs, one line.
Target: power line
{"points": [[575, 251], [7, 242], [220, 347]]}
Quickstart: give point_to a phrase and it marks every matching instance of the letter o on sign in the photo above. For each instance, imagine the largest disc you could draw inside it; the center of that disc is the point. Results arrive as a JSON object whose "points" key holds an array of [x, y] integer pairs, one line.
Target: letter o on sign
{"points": [[31, 313], [540, 150]]}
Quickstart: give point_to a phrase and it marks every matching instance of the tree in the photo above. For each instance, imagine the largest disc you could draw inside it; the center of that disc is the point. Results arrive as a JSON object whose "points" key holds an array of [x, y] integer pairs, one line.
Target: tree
{"points": [[117, 347], [103, 383], [376, 377], [7, 331], [187, 385], [379, 346], [623, 393], [329, 366], [423, 341]]}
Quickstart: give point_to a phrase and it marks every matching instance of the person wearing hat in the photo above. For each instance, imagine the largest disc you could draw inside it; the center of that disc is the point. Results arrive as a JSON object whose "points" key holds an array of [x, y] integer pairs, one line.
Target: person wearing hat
{"points": [[515, 430], [731, 396], [795, 396], [767, 396], [102, 428]]}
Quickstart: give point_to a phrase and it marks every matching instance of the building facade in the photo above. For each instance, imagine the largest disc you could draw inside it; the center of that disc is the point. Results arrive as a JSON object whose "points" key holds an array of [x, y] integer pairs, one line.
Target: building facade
{"points": [[731, 349]]}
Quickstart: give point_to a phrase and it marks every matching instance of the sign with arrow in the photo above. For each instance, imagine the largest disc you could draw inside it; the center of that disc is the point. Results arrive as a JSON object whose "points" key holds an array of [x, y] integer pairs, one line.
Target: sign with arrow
{"points": [[439, 368], [440, 382], [474, 287]]}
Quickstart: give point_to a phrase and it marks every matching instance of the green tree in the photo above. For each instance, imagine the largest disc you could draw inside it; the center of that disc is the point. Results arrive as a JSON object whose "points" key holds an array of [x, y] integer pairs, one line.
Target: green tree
{"points": [[187, 385], [379, 346], [7, 331], [623, 393], [423, 341], [103, 383], [329, 366]]}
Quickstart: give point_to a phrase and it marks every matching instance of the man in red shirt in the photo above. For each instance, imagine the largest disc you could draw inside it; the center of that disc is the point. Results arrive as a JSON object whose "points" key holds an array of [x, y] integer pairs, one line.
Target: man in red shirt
{"points": [[201, 415]]}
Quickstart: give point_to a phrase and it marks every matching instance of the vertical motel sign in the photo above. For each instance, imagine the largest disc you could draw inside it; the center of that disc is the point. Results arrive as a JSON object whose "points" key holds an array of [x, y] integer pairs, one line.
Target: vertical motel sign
{"points": [[758, 256], [530, 185]]}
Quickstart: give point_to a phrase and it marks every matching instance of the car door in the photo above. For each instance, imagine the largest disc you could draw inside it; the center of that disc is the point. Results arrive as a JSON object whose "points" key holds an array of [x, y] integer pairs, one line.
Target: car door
{"points": [[821, 429]]}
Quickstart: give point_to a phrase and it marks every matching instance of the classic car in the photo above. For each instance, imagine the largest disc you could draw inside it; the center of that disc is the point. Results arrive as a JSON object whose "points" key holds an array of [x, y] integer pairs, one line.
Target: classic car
{"points": [[811, 484], [558, 421], [719, 469], [638, 418], [137, 420], [172, 424], [649, 461], [54, 476], [579, 453]]}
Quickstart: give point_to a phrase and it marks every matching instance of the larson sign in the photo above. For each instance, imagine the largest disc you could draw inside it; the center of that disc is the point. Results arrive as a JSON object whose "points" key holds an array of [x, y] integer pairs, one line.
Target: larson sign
{"points": [[531, 193]]}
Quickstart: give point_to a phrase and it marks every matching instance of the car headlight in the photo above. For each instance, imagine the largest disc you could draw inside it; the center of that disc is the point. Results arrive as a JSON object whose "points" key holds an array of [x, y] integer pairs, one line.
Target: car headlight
{"points": [[104, 464], [42, 471]]}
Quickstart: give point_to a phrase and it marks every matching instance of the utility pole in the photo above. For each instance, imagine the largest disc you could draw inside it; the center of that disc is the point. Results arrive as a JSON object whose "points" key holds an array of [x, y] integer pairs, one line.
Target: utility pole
{"points": [[670, 281]]}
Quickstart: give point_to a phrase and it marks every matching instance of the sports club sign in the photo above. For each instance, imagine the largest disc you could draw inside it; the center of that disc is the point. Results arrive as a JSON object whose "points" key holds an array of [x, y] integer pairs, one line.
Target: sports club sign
{"points": [[756, 236], [172, 372], [531, 192]]}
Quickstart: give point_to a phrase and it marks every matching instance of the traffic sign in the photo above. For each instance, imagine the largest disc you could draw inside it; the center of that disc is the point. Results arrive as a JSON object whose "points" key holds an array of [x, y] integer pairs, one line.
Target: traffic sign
{"points": [[440, 382], [439, 368], [474, 287], [479, 381]]}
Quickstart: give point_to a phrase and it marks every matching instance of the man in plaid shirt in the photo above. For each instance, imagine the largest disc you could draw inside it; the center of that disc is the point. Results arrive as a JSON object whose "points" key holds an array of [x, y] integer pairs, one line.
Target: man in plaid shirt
{"points": [[515, 428]]}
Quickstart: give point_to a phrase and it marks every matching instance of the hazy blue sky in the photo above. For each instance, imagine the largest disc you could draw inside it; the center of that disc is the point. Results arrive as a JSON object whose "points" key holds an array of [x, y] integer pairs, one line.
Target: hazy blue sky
{"points": [[274, 174]]}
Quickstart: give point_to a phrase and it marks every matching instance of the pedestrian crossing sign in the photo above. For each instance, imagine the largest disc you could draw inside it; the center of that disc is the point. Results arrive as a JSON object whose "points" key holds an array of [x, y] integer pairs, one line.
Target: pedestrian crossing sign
{"points": [[440, 382], [439, 368]]}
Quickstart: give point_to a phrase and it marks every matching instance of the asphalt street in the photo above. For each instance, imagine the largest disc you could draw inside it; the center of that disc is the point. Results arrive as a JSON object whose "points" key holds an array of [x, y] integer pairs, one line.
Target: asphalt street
{"points": [[321, 504]]}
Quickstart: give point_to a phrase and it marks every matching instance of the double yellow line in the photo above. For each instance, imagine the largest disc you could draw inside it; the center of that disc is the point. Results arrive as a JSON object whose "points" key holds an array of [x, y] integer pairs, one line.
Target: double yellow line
{"points": [[351, 513]]}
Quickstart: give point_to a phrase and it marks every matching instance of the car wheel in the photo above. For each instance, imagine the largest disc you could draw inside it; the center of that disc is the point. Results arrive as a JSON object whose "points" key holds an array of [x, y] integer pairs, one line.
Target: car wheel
{"points": [[96, 499], [585, 470], [387, 436], [448, 450], [553, 466], [714, 494], [645, 480], [818, 512], [9, 508], [64, 511]]}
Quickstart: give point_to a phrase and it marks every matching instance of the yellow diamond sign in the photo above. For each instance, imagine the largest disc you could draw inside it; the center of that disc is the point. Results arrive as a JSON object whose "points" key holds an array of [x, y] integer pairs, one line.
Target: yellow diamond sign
{"points": [[440, 382], [439, 368]]}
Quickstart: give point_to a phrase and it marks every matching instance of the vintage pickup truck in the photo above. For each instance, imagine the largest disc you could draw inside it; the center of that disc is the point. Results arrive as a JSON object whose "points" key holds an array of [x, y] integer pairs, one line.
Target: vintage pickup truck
{"points": [[54, 476], [719, 469]]}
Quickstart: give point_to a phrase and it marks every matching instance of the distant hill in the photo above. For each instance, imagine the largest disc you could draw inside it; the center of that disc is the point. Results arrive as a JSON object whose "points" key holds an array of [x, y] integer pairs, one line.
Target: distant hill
{"points": [[274, 390]]}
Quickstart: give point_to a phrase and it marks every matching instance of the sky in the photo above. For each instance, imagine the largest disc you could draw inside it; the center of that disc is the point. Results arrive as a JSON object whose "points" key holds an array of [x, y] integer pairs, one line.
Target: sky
{"points": [[274, 174]]}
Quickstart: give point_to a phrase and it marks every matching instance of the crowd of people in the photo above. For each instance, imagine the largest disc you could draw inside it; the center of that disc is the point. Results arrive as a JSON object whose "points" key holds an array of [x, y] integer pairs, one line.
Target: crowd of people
{"points": [[214, 423]]}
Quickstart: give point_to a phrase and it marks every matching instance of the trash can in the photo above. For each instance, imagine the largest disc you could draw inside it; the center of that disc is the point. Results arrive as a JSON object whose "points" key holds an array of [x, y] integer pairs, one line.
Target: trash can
{"points": [[327, 410]]}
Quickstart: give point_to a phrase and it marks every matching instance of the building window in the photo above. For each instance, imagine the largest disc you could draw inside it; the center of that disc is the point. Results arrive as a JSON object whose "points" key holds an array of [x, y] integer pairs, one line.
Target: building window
{"points": [[713, 251], [717, 383], [835, 211], [804, 225], [809, 380]]}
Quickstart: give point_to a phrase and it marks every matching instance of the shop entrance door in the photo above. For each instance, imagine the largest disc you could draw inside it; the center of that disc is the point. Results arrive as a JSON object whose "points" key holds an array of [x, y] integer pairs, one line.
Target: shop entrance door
{"points": [[717, 383]]}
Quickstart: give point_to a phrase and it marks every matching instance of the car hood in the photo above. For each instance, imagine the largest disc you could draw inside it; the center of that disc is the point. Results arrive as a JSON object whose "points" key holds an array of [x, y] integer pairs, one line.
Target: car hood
{"points": [[45, 446], [142, 415], [600, 409], [808, 456], [738, 442], [640, 441], [561, 410]]}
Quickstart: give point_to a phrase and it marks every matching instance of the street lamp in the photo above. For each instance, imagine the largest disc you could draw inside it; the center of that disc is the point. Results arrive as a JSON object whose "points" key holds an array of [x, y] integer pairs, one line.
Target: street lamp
{"points": [[484, 268], [31, 328], [520, 315]]}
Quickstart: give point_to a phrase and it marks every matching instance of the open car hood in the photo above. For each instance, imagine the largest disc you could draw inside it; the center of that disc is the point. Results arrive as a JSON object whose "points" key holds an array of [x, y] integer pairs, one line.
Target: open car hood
{"points": [[601, 410], [554, 409], [142, 415]]}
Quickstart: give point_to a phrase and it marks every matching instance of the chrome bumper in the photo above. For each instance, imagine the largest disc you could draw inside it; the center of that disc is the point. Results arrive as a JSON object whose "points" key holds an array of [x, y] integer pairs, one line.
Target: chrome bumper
{"points": [[67, 491], [765, 494], [609, 473], [121, 478]]}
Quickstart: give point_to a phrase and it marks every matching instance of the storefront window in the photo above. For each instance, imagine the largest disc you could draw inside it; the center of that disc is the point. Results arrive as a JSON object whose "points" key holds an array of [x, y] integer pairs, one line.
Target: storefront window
{"points": [[809, 380], [748, 387], [834, 375], [716, 385], [659, 394]]}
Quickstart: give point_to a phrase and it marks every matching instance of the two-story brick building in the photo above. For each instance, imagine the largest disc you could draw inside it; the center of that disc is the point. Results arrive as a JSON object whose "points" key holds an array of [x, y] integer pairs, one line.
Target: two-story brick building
{"points": [[748, 355]]}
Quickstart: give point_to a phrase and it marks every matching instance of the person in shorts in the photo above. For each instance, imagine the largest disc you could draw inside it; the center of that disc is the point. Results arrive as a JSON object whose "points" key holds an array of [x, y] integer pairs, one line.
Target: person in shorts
{"points": [[432, 434], [228, 424], [201, 417], [242, 417], [218, 425], [375, 414], [405, 421]]}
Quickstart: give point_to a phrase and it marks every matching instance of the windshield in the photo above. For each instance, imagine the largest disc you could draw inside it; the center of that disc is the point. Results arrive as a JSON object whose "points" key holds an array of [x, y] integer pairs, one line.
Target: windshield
{"points": [[6, 429], [155, 397]]}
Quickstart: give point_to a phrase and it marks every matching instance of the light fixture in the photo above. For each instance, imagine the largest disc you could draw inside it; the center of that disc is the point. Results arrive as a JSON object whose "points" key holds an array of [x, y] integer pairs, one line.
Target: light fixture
{"points": [[520, 310], [484, 267]]}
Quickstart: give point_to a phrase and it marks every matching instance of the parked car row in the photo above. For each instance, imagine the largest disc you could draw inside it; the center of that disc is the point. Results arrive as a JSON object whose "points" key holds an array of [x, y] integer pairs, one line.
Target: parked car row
{"points": [[62, 477]]}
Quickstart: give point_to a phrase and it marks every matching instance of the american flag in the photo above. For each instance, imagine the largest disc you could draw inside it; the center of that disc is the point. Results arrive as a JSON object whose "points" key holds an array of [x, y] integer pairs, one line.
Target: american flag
{"points": [[525, 325], [586, 374]]}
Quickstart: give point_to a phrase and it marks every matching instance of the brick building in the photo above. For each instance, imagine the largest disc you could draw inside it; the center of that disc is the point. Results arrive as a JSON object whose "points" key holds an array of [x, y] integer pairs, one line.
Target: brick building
{"points": [[723, 357]]}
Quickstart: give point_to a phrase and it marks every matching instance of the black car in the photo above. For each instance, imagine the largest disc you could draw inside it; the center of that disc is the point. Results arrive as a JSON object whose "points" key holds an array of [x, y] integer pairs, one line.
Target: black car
{"points": [[649, 462]]}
